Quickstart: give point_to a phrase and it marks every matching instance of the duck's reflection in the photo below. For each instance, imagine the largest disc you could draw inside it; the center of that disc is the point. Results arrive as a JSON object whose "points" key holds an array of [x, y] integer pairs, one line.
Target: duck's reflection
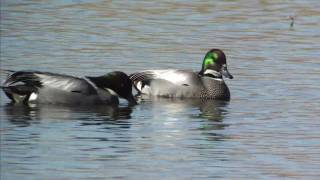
{"points": [[207, 115], [214, 110], [23, 115]]}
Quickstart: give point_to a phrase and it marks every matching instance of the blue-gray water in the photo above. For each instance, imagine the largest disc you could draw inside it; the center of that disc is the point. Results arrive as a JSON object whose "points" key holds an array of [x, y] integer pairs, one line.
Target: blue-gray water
{"points": [[269, 129]]}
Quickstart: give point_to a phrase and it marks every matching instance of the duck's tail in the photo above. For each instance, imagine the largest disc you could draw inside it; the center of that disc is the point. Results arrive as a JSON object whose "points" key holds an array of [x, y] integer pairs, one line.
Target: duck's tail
{"points": [[4, 74], [8, 90]]}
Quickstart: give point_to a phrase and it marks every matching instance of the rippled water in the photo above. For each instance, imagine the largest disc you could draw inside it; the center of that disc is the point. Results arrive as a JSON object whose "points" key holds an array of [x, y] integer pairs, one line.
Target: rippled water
{"points": [[269, 129]]}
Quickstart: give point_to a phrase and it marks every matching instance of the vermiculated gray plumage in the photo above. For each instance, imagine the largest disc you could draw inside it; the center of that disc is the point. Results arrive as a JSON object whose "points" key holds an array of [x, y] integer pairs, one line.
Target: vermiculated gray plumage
{"points": [[52, 88], [173, 83], [179, 84]]}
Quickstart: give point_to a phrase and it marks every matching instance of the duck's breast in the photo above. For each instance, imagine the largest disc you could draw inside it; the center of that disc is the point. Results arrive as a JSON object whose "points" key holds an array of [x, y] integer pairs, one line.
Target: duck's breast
{"points": [[215, 89]]}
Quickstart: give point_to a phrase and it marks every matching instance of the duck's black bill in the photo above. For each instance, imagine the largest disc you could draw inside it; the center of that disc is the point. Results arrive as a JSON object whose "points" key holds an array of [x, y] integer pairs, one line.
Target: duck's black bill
{"points": [[225, 72], [132, 101]]}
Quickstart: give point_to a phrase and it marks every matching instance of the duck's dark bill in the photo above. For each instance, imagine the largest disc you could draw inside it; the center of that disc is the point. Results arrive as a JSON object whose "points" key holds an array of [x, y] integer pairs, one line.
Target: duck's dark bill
{"points": [[132, 100], [226, 73]]}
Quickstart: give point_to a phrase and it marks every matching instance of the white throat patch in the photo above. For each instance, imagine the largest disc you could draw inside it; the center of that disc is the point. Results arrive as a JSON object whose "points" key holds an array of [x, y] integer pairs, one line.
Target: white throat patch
{"points": [[213, 72]]}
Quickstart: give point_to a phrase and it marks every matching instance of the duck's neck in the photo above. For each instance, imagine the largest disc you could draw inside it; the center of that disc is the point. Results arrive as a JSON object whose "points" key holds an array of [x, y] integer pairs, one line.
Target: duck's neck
{"points": [[101, 81], [210, 73]]}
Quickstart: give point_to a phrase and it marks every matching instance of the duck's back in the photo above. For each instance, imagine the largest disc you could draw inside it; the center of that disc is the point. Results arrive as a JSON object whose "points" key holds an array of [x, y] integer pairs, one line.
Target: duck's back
{"points": [[51, 88]]}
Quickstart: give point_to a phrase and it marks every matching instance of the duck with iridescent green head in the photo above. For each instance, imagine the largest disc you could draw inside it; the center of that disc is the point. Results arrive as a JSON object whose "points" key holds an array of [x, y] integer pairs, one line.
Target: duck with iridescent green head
{"points": [[173, 83]]}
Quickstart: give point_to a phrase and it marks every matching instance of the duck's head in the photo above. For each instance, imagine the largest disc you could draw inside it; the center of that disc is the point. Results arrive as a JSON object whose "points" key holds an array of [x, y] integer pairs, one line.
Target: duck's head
{"points": [[215, 64], [118, 82]]}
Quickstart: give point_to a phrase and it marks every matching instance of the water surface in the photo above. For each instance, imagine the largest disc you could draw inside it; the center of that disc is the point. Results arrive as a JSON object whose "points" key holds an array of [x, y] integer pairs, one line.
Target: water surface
{"points": [[269, 129]]}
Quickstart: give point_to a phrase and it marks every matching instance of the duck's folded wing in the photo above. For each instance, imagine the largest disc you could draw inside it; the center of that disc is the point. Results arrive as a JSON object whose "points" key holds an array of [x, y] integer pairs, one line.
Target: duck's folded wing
{"points": [[172, 75], [35, 79], [163, 78]]}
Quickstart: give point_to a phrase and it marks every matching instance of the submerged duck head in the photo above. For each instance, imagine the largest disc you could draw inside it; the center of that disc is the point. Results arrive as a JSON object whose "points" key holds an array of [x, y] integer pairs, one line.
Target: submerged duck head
{"points": [[215, 64], [118, 82]]}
